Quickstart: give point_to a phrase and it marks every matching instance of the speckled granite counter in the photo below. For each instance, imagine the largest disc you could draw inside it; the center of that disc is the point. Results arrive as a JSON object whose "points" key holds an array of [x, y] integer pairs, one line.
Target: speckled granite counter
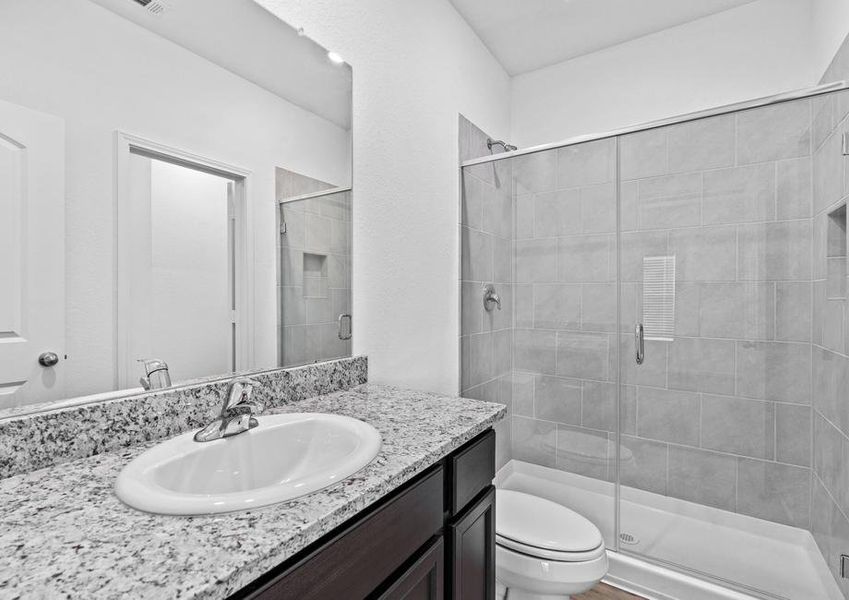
{"points": [[64, 533]]}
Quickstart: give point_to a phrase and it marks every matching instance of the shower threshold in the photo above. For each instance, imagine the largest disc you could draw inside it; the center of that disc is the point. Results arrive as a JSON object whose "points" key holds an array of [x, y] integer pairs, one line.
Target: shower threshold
{"points": [[674, 549]]}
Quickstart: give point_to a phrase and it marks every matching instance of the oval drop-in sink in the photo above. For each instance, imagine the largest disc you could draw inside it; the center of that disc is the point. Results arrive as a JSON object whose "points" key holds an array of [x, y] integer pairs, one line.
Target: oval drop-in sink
{"points": [[284, 457]]}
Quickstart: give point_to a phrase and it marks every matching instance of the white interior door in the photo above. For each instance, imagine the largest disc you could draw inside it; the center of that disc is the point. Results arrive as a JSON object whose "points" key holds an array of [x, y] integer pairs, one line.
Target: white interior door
{"points": [[32, 255]]}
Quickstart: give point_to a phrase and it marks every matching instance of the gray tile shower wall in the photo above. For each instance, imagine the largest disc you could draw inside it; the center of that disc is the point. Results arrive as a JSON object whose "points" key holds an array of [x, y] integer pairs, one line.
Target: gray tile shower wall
{"points": [[29, 442], [830, 494], [720, 413], [486, 231]]}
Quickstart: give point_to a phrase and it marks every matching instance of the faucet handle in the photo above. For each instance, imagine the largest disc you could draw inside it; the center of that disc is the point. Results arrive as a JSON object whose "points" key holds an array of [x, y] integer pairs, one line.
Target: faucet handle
{"points": [[238, 399]]}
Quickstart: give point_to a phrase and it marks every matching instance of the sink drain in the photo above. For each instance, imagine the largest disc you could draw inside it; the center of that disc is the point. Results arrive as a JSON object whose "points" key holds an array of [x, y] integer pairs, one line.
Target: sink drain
{"points": [[627, 538]]}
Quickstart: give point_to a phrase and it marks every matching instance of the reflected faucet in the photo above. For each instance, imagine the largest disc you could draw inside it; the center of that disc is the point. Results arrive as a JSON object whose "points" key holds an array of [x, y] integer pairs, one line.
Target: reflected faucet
{"points": [[156, 374], [237, 412]]}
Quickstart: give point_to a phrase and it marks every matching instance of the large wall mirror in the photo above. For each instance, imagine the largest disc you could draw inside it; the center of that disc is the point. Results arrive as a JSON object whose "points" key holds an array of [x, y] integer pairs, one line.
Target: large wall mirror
{"points": [[175, 185]]}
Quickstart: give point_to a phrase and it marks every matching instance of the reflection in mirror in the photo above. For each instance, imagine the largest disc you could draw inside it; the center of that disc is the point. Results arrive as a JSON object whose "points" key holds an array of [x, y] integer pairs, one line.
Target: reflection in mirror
{"points": [[143, 161]]}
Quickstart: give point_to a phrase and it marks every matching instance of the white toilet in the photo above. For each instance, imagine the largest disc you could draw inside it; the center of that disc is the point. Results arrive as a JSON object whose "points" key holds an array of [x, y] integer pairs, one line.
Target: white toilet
{"points": [[543, 550]]}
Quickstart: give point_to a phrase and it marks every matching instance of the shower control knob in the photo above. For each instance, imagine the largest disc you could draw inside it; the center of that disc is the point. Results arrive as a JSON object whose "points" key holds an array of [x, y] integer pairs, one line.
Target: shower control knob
{"points": [[48, 359]]}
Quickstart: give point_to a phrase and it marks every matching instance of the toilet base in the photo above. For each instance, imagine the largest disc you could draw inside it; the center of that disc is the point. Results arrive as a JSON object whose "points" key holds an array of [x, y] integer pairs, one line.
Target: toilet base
{"points": [[503, 593]]}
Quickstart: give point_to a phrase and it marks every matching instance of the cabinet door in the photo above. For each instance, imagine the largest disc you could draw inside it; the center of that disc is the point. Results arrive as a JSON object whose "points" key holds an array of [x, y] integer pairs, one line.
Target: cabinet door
{"points": [[424, 579], [472, 552]]}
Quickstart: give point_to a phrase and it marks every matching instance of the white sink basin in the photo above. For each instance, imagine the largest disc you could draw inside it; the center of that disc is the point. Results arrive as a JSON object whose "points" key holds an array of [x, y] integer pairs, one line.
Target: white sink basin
{"points": [[284, 457]]}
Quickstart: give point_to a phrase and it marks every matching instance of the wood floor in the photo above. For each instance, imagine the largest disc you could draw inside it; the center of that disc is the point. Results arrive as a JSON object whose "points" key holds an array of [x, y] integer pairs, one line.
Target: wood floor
{"points": [[605, 592]]}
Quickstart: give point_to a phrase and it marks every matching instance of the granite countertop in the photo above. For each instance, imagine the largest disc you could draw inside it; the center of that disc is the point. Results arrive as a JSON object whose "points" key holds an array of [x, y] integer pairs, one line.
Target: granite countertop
{"points": [[64, 533]]}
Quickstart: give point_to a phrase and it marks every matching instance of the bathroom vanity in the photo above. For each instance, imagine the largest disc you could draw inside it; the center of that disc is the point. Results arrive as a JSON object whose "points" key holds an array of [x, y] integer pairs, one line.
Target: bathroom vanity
{"points": [[416, 522]]}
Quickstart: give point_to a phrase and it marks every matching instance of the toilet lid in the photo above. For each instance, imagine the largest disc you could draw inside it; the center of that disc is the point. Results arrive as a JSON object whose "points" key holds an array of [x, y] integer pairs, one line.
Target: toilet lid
{"points": [[535, 522]]}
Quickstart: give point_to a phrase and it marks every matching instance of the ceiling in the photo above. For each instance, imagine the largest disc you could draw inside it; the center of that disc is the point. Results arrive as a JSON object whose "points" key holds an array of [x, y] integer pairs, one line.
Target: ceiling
{"points": [[525, 35], [240, 36]]}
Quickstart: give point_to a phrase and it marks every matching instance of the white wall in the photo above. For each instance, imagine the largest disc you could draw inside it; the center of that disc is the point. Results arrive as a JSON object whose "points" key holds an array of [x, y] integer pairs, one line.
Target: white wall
{"points": [[830, 26], [416, 66], [100, 73], [757, 49]]}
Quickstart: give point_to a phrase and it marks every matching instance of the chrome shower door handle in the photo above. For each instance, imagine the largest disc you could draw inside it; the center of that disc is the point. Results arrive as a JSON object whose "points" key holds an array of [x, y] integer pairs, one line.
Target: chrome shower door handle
{"points": [[639, 344], [343, 332]]}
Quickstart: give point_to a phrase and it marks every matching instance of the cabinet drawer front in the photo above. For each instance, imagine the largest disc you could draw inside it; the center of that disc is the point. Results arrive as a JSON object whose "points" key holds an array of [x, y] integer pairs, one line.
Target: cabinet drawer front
{"points": [[363, 555], [424, 580], [471, 470]]}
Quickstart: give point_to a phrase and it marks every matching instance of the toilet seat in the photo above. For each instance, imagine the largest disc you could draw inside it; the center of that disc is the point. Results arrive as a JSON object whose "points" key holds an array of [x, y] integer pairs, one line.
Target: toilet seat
{"points": [[540, 528]]}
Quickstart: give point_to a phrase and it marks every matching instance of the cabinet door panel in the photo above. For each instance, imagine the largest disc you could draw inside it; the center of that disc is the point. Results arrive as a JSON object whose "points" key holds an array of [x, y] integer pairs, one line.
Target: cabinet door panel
{"points": [[472, 553], [424, 580]]}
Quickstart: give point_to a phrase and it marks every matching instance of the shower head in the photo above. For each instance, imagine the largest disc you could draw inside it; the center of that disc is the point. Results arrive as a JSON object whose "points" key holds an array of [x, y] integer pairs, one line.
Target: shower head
{"points": [[507, 147]]}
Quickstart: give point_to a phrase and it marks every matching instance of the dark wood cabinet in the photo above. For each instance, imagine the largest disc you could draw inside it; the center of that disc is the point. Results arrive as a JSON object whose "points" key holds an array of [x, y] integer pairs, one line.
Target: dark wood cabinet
{"points": [[432, 538], [424, 580], [472, 552]]}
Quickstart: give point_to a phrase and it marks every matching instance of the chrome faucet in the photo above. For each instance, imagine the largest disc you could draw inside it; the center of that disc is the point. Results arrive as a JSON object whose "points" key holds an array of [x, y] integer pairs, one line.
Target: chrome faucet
{"points": [[237, 412], [156, 374], [490, 297]]}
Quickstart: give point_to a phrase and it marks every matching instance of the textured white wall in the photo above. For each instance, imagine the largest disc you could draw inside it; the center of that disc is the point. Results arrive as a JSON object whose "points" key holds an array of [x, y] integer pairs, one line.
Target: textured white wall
{"points": [[758, 49], [416, 66], [53, 59]]}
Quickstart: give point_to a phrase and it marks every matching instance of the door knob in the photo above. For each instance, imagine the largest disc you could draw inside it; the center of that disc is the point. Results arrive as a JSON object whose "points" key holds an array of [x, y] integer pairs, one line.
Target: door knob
{"points": [[48, 359]]}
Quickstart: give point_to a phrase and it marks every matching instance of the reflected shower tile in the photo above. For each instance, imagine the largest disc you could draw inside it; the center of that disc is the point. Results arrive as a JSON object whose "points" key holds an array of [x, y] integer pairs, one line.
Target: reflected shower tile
{"points": [[585, 452], [703, 477], [477, 255], [738, 426], [793, 434], [828, 452], [536, 261], [774, 132], [628, 200], [557, 399], [317, 233], [830, 530], [775, 251], [534, 441], [778, 371], [465, 363], [585, 259], [535, 351], [793, 311], [737, 310], [557, 306], [293, 345], [598, 208], [670, 201], [701, 144], [831, 380], [471, 317], [636, 246], [502, 352], [628, 409], [668, 416], [294, 219], [827, 168], [498, 319], [825, 118], [794, 193], [598, 405], [582, 355], [702, 365], [775, 492], [292, 305], [739, 195], [598, 302], [533, 173], [644, 464], [291, 267], [643, 154], [586, 164], [705, 254], [318, 310], [557, 213], [687, 308]]}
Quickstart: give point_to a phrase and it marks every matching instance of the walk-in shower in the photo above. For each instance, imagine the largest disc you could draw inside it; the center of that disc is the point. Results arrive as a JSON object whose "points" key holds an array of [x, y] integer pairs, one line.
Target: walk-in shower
{"points": [[673, 336]]}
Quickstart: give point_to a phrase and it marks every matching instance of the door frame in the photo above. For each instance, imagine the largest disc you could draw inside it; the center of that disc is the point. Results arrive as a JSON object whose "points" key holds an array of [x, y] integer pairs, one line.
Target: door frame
{"points": [[243, 281]]}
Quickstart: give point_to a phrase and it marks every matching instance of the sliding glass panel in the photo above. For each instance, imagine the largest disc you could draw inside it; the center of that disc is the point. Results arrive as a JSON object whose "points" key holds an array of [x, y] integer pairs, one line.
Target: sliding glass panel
{"points": [[550, 352], [315, 278], [716, 270]]}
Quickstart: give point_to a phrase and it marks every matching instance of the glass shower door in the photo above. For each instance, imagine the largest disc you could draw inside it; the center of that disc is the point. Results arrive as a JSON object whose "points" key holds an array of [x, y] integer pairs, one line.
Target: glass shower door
{"points": [[715, 374]]}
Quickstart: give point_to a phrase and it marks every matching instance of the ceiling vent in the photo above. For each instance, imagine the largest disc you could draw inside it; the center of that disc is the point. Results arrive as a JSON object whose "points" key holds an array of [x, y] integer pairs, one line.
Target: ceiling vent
{"points": [[154, 7]]}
